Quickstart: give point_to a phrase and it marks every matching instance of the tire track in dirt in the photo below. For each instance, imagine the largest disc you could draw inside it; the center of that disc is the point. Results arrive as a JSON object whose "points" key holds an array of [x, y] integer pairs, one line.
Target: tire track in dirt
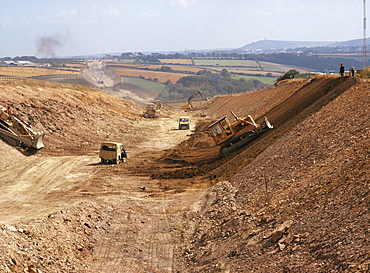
{"points": [[36, 180], [140, 239]]}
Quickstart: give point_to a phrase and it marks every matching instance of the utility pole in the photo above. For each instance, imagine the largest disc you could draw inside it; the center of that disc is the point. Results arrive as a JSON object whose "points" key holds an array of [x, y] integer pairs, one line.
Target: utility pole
{"points": [[364, 35]]}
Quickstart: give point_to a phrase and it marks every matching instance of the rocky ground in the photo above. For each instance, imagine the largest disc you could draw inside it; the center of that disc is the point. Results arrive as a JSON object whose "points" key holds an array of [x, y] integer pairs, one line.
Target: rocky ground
{"points": [[296, 199]]}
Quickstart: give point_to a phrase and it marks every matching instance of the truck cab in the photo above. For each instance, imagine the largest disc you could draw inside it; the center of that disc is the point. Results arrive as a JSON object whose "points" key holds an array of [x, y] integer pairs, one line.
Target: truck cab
{"points": [[112, 152], [184, 123]]}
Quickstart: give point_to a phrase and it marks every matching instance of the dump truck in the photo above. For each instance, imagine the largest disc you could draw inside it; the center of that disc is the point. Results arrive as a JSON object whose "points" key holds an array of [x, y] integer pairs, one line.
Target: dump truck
{"points": [[19, 133], [190, 106], [232, 136], [152, 110], [184, 123], [112, 152]]}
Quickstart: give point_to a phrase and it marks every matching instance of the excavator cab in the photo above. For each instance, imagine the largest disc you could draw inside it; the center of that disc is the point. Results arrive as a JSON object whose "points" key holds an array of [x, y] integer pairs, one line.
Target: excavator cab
{"points": [[190, 106]]}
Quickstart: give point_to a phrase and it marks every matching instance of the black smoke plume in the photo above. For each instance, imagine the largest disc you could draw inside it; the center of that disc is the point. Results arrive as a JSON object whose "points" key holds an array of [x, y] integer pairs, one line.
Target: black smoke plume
{"points": [[47, 45]]}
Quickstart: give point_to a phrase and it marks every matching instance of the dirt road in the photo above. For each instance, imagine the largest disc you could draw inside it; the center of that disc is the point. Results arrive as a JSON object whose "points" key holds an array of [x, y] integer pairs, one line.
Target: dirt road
{"points": [[98, 74], [142, 217]]}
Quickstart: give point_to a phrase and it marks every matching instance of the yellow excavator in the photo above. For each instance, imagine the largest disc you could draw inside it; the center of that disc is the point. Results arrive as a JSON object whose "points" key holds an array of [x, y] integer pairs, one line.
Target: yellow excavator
{"points": [[18, 132], [189, 106], [231, 136]]}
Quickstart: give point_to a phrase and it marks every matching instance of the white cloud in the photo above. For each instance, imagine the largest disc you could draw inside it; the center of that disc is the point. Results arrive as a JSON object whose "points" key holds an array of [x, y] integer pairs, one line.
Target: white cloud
{"points": [[149, 15], [6, 21], [183, 3], [112, 11], [69, 14]]}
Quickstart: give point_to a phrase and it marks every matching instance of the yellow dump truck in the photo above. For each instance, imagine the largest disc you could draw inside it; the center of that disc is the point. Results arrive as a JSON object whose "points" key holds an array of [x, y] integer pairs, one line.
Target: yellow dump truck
{"points": [[184, 123], [112, 152]]}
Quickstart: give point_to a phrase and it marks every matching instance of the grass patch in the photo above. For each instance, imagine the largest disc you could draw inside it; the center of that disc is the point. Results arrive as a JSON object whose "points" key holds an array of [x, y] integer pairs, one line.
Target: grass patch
{"points": [[265, 80], [143, 85]]}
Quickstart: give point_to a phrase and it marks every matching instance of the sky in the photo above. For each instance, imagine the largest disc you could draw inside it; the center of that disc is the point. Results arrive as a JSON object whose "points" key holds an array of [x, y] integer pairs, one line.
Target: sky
{"points": [[59, 28]]}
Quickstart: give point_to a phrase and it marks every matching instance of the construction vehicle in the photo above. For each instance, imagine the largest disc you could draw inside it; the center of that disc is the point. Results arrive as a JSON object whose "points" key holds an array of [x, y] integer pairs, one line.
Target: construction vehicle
{"points": [[231, 136], [112, 152], [19, 133], [152, 110], [184, 123], [190, 106]]}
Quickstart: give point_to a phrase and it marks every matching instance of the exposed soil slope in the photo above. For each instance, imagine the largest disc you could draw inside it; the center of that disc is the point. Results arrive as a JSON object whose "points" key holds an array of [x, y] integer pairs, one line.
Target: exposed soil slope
{"points": [[300, 206], [298, 100], [297, 198]]}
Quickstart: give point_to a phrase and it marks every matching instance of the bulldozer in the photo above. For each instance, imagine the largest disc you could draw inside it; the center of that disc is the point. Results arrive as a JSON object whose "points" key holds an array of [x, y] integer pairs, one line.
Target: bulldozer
{"points": [[190, 106], [232, 136], [18, 132], [152, 110]]}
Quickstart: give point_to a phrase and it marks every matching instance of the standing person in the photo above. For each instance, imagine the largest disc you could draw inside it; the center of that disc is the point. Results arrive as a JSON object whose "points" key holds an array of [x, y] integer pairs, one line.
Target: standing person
{"points": [[8, 110], [352, 71], [341, 69]]}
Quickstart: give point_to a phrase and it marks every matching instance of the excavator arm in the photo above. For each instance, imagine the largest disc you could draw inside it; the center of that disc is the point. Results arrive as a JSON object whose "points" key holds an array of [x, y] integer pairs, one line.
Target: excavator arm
{"points": [[190, 99]]}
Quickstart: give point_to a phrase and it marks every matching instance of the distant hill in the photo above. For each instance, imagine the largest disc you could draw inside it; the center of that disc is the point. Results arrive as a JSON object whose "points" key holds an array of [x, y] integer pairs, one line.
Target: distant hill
{"points": [[264, 45], [275, 45]]}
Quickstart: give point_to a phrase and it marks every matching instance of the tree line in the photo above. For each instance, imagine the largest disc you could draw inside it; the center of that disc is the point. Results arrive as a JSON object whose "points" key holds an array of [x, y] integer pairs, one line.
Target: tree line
{"points": [[210, 84]]}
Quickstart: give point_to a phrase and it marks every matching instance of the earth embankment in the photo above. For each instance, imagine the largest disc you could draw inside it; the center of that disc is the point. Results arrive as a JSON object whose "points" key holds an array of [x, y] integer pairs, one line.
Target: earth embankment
{"points": [[296, 199], [303, 204]]}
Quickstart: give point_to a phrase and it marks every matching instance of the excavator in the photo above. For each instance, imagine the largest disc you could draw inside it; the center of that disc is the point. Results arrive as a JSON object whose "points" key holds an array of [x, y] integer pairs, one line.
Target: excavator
{"points": [[19, 132], [189, 106], [232, 136]]}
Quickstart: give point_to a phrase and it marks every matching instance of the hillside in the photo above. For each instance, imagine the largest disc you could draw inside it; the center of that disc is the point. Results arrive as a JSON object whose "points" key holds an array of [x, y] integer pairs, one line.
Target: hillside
{"points": [[294, 200], [301, 206]]}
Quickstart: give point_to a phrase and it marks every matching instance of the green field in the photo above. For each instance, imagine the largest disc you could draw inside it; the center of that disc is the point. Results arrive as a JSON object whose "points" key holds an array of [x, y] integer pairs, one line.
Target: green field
{"points": [[143, 85], [265, 80], [216, 62]]}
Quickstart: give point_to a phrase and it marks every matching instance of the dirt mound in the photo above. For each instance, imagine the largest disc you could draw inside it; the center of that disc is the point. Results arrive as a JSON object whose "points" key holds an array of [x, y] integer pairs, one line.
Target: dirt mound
{"points": [[301, 99], [301, 205], [75, 118]]}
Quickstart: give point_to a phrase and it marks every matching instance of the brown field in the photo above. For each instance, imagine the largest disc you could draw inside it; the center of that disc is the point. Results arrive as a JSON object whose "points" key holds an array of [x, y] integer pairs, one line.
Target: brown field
{"points": [[32, 71], [176, 61], [76, 65], [161, 76], [156, 66]]}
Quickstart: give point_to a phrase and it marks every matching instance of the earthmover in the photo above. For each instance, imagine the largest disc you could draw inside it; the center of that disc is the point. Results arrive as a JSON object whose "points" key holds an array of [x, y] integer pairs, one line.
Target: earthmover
{"points": [[184, 123], [231, 136], [189, 106], [152, 110], [112, 152], [18, 132]]}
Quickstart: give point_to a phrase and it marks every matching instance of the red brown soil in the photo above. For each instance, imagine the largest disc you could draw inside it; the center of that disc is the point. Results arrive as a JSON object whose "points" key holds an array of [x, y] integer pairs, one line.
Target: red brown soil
{"points": [[295, 199]]}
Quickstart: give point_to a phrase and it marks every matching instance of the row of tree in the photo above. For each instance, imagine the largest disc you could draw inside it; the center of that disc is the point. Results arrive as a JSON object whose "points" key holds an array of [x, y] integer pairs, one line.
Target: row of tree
{"points": [[210, 84], [306, 60]]}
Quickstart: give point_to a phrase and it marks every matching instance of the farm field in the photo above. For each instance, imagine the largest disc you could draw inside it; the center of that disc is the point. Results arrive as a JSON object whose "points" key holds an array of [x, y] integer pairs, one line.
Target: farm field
{"points": [[143, 85], [280, 68], [217, 62], [265, 80], [157, 66], [161, 76], [32, 71], [176, 61]]}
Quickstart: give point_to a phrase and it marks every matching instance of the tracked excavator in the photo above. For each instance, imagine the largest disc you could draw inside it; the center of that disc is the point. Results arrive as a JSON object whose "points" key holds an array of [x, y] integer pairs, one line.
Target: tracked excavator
{"points": [[232, 136], [19, 132], [189, 106]]}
